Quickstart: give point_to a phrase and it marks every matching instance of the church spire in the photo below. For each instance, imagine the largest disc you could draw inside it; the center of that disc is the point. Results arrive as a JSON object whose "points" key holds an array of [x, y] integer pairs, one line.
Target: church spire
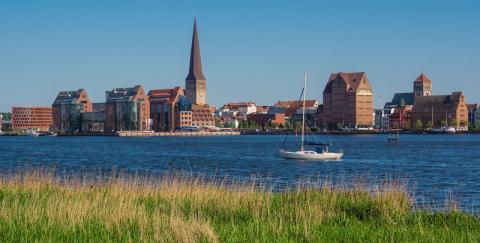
{"points": [[195, 70], [195, 83]]}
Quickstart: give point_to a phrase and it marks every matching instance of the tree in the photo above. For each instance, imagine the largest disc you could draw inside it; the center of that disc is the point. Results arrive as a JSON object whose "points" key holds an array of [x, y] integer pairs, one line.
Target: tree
{"points": [[452, 122], [477, 124], [243, 124], [252, 124], [429, 125], [443, 123], [418, 124]]}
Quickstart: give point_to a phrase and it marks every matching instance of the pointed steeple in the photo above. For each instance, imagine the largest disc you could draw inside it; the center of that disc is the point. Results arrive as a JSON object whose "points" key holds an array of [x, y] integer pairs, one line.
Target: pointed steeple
{"points": [[195, 70]]}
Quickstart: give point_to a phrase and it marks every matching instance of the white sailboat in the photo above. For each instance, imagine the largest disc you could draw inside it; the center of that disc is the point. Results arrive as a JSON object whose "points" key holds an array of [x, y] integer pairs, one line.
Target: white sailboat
{"points": [[304, 154]]}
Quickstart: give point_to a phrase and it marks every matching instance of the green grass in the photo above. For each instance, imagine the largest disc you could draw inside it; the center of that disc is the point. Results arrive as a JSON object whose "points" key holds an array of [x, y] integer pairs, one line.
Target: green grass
{"points": [[36, 207]]}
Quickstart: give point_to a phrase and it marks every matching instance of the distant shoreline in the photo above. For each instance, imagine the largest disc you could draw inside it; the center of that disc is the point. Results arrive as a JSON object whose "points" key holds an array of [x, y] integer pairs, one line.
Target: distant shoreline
{"points": [[243, 133]]}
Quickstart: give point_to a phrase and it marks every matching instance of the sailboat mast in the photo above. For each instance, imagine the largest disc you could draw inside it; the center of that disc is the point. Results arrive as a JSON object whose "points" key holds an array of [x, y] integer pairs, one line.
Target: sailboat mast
{"points": [[303, 109], [432, 118]]}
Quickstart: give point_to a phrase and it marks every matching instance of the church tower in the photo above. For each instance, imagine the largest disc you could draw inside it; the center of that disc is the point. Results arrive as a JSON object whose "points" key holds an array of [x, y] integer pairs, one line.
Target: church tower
{"points": [[422, 86], [195, 83]]}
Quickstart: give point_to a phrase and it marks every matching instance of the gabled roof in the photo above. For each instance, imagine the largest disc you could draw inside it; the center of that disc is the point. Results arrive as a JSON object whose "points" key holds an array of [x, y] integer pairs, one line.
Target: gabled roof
{"points": [[423, 78], [164, 95], [122, 94], [297, 103], [276, 110], [400, 100], [352, 81], [437, 103], [68, 97], [236, 105]]}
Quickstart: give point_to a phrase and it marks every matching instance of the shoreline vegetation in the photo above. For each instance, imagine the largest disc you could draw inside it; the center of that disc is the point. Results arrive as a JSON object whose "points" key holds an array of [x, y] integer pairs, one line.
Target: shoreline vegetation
{"points": [[39, 206]]}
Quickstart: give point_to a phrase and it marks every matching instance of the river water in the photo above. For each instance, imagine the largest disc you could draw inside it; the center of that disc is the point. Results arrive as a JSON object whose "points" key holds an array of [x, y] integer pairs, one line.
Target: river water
{"points": [[433, 166]]}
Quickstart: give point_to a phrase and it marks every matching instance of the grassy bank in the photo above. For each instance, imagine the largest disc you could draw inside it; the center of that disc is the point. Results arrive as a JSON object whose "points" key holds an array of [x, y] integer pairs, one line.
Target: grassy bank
{"points": [[175, 209]]}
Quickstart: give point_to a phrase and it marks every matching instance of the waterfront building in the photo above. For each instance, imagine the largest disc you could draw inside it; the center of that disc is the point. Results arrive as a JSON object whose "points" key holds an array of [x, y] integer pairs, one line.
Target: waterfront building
{"points": [[292, 110], [263, 119], [276, 109], [477, 118], [294, 107], [127, 109], [441, 110], [67, 108], [237, 110], [98, 107], [311, 116], [228, 111], [247, 107], [263, 109], [296, 103], [7, 125], [472, 114], [422, 86], [202, 116], [196, 83], [348, 100], [93, 122], [33, 118], [400, 118], [169, 109], [381, 119], [1, 123]]}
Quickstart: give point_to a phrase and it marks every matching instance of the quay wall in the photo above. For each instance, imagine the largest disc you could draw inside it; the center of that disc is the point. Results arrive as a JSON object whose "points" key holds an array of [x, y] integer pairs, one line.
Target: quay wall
{"points": [[175, 134]]}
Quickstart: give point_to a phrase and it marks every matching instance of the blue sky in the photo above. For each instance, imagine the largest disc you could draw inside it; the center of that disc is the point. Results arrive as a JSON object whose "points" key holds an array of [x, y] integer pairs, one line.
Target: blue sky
{"points": [[251, 50]]}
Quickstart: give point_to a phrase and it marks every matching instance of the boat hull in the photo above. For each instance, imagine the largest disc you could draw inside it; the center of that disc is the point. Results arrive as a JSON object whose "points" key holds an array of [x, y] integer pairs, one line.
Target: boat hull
{"points": [[310, 155]]}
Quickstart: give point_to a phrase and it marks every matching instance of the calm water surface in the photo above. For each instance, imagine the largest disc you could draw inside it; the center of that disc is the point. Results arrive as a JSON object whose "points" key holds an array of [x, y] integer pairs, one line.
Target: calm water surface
{"points": [[434, 166]]}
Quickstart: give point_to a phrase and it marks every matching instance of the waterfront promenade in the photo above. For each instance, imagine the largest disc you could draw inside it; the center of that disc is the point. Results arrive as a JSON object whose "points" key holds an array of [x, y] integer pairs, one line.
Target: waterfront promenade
{"points": [[176, 134]]}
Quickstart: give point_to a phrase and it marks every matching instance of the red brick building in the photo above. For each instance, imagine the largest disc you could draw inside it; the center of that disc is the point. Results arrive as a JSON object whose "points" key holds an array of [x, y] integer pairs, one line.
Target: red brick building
{"points": [[127, 109], [32, 118], [348, 100], [66, 109], [400, 118], [169, 109], [292, 107], [441, 110], [264, 119], [202, 116]]}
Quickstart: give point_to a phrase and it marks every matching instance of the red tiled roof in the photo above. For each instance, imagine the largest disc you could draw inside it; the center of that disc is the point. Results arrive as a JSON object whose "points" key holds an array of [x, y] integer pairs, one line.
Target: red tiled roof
{"points": [[297, 103], [164, 94], [423, 78], [437, 103], [352, 81]]}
